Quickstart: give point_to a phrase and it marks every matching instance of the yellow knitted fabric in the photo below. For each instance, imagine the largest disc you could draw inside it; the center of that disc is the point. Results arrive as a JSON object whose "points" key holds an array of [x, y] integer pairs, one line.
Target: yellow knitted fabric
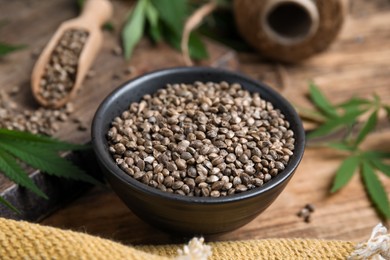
{"points": [[22, 240], [268, 249]]}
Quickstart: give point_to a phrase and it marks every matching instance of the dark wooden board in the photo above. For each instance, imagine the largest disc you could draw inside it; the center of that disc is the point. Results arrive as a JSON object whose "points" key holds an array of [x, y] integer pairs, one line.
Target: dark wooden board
{"points": [[60, 191]]}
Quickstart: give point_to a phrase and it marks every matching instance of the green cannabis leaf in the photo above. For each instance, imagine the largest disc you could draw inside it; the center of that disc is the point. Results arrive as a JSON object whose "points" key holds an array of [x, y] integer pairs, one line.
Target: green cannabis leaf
{"points": [[197, 47], [133, 30], [385, 168], [9, 205], [321, 101], [7, 48], [345, 172], [375, 189], [335, 123], [14, 172], [347, 115], [40, 152], [153, 16], [173, 13], [367, 163], [367, 128], [160, 20]]}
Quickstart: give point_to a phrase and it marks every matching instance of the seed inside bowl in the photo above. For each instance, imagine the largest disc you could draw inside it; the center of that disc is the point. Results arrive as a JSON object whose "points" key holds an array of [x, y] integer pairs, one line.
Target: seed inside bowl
{"points": [[202, 139]]}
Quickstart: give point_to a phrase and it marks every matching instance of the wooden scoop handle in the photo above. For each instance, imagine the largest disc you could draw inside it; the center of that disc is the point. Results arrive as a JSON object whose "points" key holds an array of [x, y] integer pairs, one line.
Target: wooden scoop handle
{"points": [[96, 12]]}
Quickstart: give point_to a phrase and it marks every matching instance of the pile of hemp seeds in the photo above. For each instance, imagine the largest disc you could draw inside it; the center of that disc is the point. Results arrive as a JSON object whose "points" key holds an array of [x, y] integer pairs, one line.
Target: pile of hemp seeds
{"points": [[40, 121], [202, 139], [56, 83], [60, 72]]}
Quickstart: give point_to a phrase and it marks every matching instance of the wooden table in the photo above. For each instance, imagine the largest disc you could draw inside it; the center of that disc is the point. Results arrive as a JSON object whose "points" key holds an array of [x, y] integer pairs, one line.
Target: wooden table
{"points": [[357, 64]]}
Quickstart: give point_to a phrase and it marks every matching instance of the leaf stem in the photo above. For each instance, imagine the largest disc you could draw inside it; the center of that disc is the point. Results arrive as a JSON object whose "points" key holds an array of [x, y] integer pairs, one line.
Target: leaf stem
{"points": [[192, 22], [310, 114]]}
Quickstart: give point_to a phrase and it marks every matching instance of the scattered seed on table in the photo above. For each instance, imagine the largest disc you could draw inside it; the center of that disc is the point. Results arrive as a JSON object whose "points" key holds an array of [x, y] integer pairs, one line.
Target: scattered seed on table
{"points": [[35, 52], [310, 207], [14, 90], [41, 121], [202, 139], [117, 51], [306, 212], [129, 70]]}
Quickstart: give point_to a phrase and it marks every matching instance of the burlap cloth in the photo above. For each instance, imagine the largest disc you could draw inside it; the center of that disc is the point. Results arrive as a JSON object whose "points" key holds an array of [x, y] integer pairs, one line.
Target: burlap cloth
{"points": [[23, 240]]}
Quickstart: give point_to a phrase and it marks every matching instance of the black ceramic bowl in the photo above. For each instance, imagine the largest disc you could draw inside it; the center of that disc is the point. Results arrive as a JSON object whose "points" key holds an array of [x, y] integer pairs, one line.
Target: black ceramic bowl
{"points": [[178, 213]]}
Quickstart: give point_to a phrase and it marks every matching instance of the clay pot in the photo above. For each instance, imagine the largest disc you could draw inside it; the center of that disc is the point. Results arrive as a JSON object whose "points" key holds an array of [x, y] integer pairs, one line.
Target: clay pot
{"points": [[289, 30]]}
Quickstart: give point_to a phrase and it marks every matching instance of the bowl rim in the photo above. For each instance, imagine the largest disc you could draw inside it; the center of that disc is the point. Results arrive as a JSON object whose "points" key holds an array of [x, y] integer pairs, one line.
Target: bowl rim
{"points": [[107, 161]]}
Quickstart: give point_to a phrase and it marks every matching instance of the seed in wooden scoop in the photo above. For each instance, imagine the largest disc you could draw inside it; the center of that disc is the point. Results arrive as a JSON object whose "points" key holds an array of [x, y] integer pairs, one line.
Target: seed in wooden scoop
{"points": [[61, 70]]}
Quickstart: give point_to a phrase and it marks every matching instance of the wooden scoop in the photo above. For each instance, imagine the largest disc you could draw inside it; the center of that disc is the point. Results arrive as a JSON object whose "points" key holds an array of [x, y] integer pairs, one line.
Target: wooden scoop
{"points": [[94, 14]]}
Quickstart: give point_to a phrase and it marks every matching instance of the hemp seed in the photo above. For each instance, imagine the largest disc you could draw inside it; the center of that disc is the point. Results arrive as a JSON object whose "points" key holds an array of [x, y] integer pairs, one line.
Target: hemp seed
{"points": [[202, 139], [60, 72], [40, 121]]}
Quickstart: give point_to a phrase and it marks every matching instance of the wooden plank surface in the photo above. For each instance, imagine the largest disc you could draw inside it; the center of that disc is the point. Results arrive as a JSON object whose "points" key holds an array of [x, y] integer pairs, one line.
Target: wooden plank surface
{"points": [[27, 22], [358, 63]]}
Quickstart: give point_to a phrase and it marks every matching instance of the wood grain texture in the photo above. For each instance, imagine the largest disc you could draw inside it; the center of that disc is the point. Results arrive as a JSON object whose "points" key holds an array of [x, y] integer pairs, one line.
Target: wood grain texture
{"points": [[346, 215], [357, 64]]}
